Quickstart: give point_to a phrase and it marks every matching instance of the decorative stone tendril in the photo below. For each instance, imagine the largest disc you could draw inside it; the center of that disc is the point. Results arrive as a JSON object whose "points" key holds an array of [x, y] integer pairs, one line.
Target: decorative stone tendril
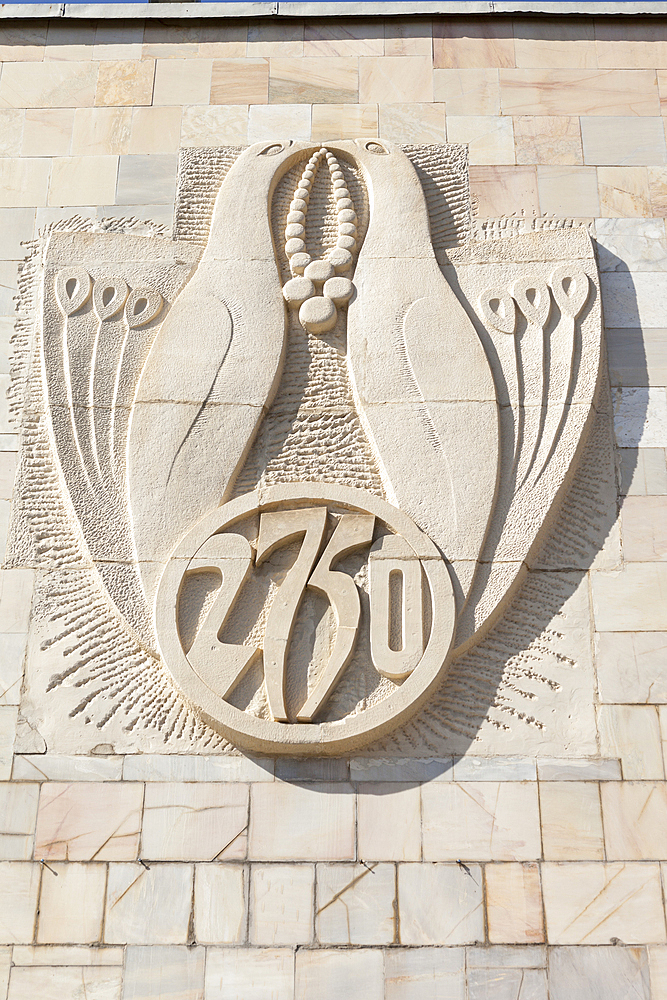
{"points": [[317, 287]]}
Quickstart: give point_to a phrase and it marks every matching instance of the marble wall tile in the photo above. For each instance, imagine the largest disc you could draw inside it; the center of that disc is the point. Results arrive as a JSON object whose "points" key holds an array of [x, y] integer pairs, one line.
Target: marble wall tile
{"points": [[578, 92], [68, 41], [547, 139], [274, 121], [5, 966], [554, 43], [514, 903], [423, 917], [274, 38], [625, 140], [635, 820], [568, 191], [407, 38], [242, 973], [89, 821], [71, 903], [571, 821], [92, 982], [467, 91], [395, 79], [182, 81], [397, 769], [632, 732], [640, 414], [662, 712], [213, 126], [148, 905], [49, 767], [118, 40], [643, 472], [657, 182], [11, 131], [313, 81], [328, 975], [480, 820], [47, 131], [501, 956], [657, 957], [644, 527], [355, 904], [631, 600], [29, 954], [349, 38], [309, 822], [82, 179], [220, 904], [125, 82], [598, 973], [19, 888], [631, 244], [182, 767], [146, 179], [344, 121], [48, 85], [23, 182], [311, 769], [171, 41], [412, 122], [281, 904], [8, 714], [162, 972], [490, 139], [12, 651], [471, 768], [239, 81], [424, 973], [23, 41], [389, 822], [155, 130], [592, 903], [223, 40], [15, 599], [504, 191], [468, 43], [18, 808], [642, 44], [624, 191], [196, 821], [101, 130], [638, 358]]}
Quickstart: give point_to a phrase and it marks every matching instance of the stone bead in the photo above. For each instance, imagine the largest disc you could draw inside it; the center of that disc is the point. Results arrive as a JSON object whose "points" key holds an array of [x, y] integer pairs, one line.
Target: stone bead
{"points": [[346, 242], [318, 314], [340, 193], [338, 184], [294, 246], [298, 205], [340, 259], [308, 174], [337, 175], [347, 215], [344, 203], [299, 262], [339, 290], [297, 290], [347, 229], [304, 184], [294, 229], [298, 217], [319, 270]]}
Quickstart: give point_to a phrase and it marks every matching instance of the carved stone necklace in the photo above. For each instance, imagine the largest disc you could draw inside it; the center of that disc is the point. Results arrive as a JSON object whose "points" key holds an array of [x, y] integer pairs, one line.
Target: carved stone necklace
{"points": [[317, 287]]}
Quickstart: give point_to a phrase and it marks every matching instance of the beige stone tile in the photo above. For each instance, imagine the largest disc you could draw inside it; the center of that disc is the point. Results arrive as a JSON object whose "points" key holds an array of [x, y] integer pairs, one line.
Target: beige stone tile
{"points": [[12, 653], [194, 767], [593, 903], [344, 121], [89, 821], [578, 92], [662, 713], [98, 131], [72, 955], [182, 81], [632, 666], [480, 820], [344, 38], [631, 600], [198, 821], [118, 40], [638, 358], [638, 45], [657, 183], [155, 130], [69, 40], [504, 190], [281, 904], [48, 131], [644, 527], [421, 922], [8, 714], [19, 888], [223, 40], [547, 139], [11, 131], [632, 732], [467, 91], [328, 975], [490, 138], [313, 81], [18, 807], [148, 906], [125, 82], [301, 821], [275, 38], [662, 89], [355, 904], [22, 41], [627, 141], [389, 822], [239, 81], [48, 85], [49, 767], [514, 903], [87, 180], [571, 821], [71, 905], [242, 973], [407, 38], [424, 973], [657, 957], [220, 904], [623, 192], [412, 122], [5, 966], [158, 973], [275, 121], [23, 181], [395, 79], [472, 43], [570, 192], [545, 42], [212, 126], [93, 983], [635, 820], [170, 40]]}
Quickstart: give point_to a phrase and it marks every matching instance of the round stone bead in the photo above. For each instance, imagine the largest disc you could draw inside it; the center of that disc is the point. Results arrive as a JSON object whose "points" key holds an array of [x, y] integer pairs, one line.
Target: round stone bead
{"points": [[340, 193], [294, 246], [299, 262], [308, 174], [347, 229], [346, 242], [318, 314], [338, 289], [337, 175], [319, 270], [347, 215], [298, 205], [338, 185], [344, 203], [298, 217], [340, 259], [304, 183], [294, 229], [297, 290]]}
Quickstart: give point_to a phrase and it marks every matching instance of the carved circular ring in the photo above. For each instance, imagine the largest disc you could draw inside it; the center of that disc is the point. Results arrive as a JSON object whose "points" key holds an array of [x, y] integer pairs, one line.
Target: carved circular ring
{"points": [[362, 522]]}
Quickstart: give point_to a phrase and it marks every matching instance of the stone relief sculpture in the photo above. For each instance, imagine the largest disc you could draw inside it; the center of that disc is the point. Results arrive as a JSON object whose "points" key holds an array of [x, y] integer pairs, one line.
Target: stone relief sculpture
{"points": [[275, 483]]}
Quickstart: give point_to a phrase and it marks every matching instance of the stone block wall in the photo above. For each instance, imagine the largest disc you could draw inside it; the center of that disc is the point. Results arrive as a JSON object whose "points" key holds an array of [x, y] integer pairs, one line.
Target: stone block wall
{"points": [[489, 875]]}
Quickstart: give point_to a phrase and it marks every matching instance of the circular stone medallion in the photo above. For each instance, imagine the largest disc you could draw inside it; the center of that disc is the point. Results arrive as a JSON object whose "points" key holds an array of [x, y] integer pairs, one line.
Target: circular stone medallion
{"points": [[306, 618]]}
